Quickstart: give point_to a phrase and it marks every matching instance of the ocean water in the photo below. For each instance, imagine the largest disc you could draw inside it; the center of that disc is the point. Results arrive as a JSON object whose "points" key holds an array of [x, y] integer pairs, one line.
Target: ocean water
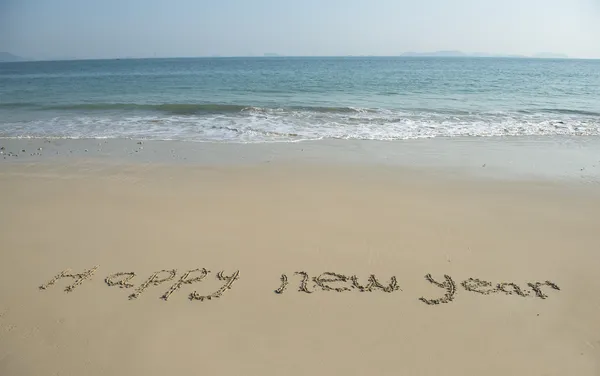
{"points": [[295, 99]]}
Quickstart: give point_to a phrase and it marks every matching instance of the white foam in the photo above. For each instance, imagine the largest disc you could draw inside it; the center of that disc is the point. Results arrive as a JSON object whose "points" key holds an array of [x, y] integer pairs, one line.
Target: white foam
{"points": [[280, 125]]}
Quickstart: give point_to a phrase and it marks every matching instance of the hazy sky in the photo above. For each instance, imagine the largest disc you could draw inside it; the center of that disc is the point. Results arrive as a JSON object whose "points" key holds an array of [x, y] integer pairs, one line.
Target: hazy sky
{"points": [[144, 28]]}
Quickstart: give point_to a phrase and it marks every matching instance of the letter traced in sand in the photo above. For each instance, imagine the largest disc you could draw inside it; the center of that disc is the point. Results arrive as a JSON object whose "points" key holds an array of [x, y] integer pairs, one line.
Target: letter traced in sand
{"points": [[373, 283], [79, 278], [479, 286], [120, 279], [153, 280], [510, 288], [284, 284], [186, 280], [449, 286], [330, 277], [535, 286], [217, 294], [304, 283]]}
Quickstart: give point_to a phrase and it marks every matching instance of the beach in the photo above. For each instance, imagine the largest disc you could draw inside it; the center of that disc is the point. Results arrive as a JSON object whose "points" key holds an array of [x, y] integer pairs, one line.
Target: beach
{"points": [[251, 188], [296, 259]]}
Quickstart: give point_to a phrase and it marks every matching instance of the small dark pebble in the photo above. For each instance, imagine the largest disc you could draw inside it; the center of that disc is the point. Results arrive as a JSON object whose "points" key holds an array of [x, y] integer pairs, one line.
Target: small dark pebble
{"points": [[140, 142], [2, 148], [23, 150]]}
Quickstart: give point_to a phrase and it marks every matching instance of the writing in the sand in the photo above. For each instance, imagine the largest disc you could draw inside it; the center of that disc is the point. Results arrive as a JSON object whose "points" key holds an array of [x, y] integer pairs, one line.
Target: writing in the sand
{"points": [[327, 281], [123, 280], [330, 281]]}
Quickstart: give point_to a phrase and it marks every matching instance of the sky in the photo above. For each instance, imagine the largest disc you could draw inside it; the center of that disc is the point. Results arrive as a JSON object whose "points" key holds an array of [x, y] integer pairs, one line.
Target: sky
{"points": [[54, 29]]}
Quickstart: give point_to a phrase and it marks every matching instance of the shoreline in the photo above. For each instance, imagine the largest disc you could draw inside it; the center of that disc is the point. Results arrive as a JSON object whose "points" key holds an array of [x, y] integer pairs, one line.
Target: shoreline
{"points": [[564, 160]]}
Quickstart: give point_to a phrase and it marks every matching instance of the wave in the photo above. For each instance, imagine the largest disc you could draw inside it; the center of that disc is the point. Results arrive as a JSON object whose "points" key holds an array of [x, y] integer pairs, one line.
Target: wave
{"points": [[288, 126], [229, 109], [246, 123], [10, 105], [198, 108], [561, 111]]}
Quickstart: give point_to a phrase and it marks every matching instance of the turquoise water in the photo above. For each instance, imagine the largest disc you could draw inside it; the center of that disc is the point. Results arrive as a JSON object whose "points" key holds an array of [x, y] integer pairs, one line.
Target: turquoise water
{"points": [[292, 99]]}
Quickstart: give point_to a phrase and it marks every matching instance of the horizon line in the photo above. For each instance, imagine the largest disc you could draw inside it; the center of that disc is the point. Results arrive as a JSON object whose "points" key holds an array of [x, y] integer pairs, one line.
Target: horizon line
{"points": [[275, 56]]}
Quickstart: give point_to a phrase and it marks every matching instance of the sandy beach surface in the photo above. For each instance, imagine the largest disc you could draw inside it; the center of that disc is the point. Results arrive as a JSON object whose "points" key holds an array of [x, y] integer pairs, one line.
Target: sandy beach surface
{"points": [[507, 271]]}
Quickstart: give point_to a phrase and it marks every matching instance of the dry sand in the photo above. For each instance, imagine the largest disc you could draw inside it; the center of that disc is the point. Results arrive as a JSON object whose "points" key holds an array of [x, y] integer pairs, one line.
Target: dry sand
{"points": [[273, 219]]}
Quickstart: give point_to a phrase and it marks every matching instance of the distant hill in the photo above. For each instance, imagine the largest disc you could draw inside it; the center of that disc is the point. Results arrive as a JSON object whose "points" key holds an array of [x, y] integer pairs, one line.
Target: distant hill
{"points": [[550, 55], [458, 54], [271, 54], [543, 55], [437, 53], [485, 54], [7, 57]]}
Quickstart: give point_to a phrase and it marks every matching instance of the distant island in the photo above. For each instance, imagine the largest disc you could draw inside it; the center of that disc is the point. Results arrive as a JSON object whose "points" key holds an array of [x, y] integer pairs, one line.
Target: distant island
{"points": [[6, 57], [550, 55], [437, 53], [271, 54], [544, 55]]}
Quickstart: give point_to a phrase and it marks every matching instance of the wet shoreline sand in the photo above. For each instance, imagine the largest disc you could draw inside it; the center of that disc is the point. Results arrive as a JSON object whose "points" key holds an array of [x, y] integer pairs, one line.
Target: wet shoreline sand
{"points": [[550, 159]]}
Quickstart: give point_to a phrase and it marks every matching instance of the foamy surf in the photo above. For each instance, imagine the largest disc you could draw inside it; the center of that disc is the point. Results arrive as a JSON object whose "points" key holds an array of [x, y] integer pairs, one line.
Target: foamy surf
{"points": [[272, 125]]}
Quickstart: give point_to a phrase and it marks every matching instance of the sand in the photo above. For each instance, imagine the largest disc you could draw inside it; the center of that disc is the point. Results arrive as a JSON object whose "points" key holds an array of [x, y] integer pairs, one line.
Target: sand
{"points": [[427, 275]]}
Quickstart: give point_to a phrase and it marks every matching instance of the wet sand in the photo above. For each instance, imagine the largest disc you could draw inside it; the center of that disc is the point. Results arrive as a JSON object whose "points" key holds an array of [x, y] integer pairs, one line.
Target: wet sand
{"points": [[563, 159], [293, 268]]}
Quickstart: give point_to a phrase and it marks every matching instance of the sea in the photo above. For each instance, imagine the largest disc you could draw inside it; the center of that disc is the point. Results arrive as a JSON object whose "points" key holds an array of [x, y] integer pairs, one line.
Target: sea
{"points": [[292, 99]]}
